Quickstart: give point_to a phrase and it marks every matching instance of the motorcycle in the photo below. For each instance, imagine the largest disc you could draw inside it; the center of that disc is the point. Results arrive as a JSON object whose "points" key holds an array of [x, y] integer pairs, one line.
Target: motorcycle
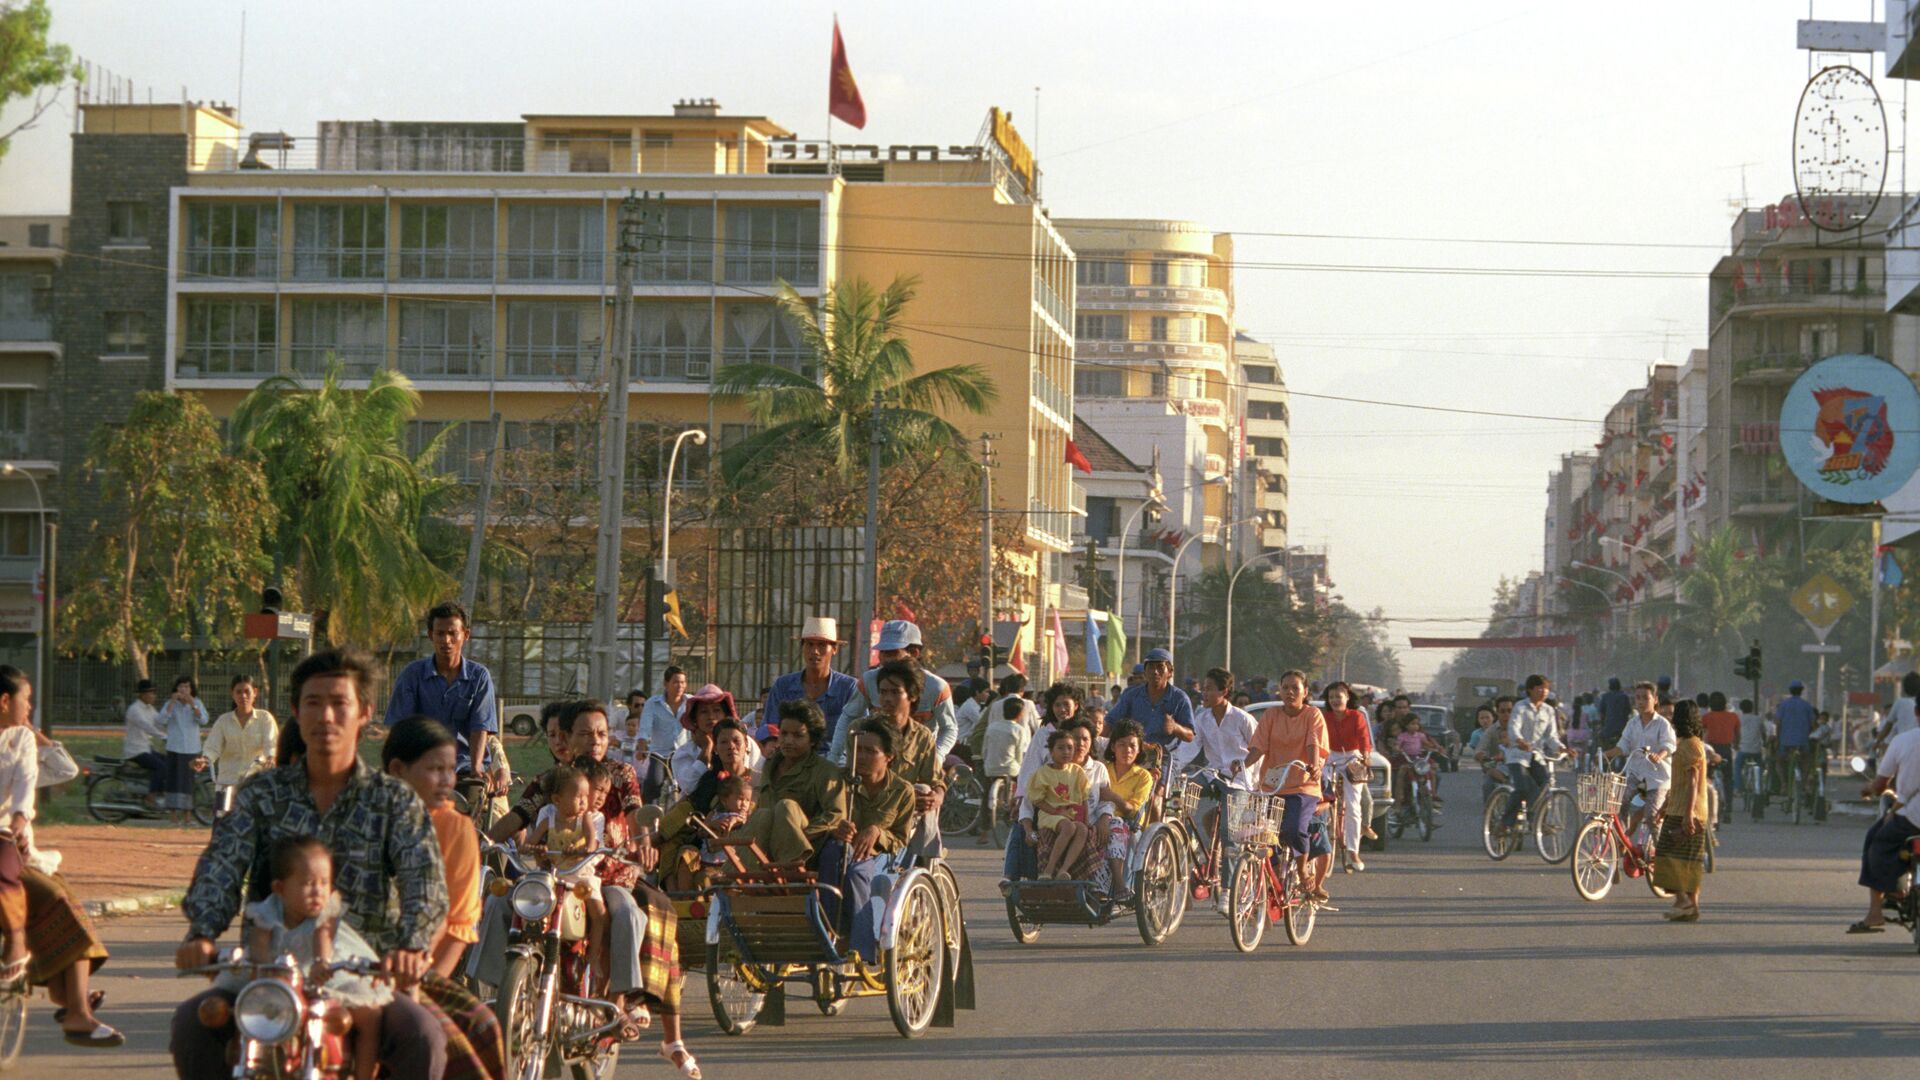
{"points": [[550, 1021], [117, 790], [285, 1026], [1419, 813], [1903, 905]]}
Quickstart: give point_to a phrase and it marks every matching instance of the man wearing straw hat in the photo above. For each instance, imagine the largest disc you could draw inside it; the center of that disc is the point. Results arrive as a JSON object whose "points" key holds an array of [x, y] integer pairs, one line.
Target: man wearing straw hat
{"points": [[900, 640], [816, 681]]}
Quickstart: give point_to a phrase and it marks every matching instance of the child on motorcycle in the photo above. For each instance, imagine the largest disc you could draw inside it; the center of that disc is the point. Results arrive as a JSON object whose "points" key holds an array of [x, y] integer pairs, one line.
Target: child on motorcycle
{"points": [[1413, 741], [566, 826], [419, 750], [302, 918], [1058, 793]]}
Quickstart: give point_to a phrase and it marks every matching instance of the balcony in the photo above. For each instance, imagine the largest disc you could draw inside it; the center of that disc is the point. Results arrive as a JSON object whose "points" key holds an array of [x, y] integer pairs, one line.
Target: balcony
{"points": [[1769, 501], [340, 264], [232, 264], [27, 328], [1051, 303], [440, 264], [564, 265], [690, 363], [1199, 299], [1766, 368], [446, 361], [1797, 297], [549, 363], [1051, 394], [355, 361], [1189, 352], [219, 361]]}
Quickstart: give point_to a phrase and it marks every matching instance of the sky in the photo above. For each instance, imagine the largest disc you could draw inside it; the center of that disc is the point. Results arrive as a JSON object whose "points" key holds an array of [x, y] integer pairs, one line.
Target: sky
{"points": [[1375, 163]]}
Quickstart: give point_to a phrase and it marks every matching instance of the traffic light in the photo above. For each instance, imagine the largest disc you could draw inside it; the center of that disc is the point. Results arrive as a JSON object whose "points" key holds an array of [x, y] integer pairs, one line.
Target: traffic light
{"points": [[991, 655], [1748, 666]]}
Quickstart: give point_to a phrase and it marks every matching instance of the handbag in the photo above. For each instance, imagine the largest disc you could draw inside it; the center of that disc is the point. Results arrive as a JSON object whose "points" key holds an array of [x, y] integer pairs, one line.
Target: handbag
{"points": [[56, 765], [1358, 771]]}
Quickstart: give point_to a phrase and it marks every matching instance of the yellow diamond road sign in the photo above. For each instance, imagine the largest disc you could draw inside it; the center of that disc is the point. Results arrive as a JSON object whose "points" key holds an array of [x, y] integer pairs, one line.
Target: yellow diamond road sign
{"points": [[1821, 601]]}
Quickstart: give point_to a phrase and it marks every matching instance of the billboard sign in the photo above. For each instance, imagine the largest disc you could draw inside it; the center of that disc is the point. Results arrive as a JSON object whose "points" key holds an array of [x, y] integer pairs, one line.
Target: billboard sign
{"points": [[1850, 428]]}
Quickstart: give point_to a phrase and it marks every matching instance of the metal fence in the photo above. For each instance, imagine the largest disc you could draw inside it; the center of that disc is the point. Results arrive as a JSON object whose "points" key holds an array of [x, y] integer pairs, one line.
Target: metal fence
{"points": [[765, 584]]}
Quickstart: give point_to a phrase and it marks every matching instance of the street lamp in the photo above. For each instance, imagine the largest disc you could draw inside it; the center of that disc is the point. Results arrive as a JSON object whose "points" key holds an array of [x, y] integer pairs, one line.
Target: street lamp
{"points": [[39, 639], [1235, 580], [1671, 573], [1120, 574], [699, 437], [1173, 577]]}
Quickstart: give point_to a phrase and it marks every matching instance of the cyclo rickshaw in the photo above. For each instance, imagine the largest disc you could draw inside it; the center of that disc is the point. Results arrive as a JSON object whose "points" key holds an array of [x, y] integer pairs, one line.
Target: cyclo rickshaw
{"points": [[1171, 858], [767, 929]]}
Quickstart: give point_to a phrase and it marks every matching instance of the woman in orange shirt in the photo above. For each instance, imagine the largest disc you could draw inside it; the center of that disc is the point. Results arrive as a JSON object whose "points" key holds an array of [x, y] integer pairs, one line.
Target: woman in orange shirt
{"points": [[419, 750], [1291, 731]]}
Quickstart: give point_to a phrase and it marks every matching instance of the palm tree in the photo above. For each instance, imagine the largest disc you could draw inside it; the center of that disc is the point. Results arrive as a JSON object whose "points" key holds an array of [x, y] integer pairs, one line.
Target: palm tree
{"points": [[859, 356], [351, 501], [1722, 596], [1270, 634]]}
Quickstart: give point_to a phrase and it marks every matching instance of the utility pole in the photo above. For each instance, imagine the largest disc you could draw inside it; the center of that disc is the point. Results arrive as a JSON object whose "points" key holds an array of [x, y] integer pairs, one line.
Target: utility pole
{"points": [[638, 231], [870, 580], [986, 550], [470, 580]]}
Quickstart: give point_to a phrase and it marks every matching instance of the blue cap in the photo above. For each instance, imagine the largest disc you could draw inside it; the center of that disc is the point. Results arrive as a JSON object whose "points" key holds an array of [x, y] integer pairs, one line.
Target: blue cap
{"points": [[1139, 669], [1796, 686], [1159, 656], [897, 634]]}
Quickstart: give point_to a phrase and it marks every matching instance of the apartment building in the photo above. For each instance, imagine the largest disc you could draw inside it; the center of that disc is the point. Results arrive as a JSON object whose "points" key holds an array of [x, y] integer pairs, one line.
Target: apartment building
{"points": [[1265, 427], [30, 365], [474, 257]]}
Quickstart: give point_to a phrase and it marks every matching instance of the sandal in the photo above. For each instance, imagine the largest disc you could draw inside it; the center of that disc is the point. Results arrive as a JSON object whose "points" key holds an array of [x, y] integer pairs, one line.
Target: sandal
{"points": [[101, 1037], [1864, 927], [94, 998], [689, 1066]]}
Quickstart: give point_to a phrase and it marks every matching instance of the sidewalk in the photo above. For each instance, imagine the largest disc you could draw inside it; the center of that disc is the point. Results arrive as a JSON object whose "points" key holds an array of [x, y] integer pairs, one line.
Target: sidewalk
{"points": [[121, 869]]}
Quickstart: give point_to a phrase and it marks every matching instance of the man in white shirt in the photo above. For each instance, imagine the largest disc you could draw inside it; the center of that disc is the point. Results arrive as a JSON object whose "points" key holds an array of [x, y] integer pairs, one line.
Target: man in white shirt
{"points": [[1880, 863], [1533, 735], [1647, 744], [1905, 715], [143, 726], [660, 730], [972, 712], [1221, 732]]}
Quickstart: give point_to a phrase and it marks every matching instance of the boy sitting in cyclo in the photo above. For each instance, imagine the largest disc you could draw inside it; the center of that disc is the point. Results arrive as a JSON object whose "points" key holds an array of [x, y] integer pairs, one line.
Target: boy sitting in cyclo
{"points": [[878, 823], [1128, 787], [1058, 792], [1005, 747]]}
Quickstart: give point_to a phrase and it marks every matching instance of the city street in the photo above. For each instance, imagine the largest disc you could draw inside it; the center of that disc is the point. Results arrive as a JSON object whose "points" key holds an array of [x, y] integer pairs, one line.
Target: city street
{"points": [[1439, 961]]}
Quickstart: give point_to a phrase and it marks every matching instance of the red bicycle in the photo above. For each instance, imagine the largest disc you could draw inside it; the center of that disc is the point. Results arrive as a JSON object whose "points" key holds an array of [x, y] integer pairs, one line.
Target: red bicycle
{"points": [[1603, 850], [1267, 885]]}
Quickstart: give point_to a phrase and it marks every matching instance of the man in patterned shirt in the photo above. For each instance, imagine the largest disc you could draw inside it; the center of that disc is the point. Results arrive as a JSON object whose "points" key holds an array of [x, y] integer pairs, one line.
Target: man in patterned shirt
{"points": [[386, 864]]}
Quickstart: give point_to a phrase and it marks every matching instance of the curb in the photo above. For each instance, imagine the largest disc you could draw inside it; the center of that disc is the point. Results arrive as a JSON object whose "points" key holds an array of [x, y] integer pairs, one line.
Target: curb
{"points": [[133, 905]]}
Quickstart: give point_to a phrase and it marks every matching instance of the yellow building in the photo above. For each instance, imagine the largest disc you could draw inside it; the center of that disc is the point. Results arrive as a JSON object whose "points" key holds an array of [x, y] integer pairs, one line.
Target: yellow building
{"points": [[474, 257]]}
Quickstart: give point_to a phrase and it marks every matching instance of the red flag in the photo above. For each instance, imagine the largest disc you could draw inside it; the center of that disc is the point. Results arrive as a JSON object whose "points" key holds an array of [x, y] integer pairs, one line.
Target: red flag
{"points": [[843, 94], [1077, 459]]}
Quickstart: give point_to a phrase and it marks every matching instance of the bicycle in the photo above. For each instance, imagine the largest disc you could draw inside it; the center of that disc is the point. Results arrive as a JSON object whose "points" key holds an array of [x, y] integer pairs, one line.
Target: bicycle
{"points": [[1603, 845], [1551, 822], [1262, 892]]}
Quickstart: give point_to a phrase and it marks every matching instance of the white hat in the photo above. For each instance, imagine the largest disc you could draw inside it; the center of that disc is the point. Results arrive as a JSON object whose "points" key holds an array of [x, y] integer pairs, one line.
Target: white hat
{"points": [[821, 628]]}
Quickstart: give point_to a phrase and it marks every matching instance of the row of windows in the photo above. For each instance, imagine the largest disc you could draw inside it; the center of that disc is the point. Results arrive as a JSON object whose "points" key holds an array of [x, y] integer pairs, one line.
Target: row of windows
{"points": [[544, 340], [1268, 447], [463, 450], [1186, 328], [1188, 273], [456, 242], [1108, 382]]}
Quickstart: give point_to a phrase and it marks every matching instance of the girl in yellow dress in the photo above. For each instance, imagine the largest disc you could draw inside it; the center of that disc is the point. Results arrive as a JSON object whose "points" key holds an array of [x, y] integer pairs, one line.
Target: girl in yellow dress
{"points": [[1058, 791]]}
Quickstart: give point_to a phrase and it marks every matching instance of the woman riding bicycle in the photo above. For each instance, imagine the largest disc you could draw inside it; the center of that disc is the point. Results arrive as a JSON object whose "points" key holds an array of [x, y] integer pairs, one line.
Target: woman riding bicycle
{"points": [[1350, 741], [1292, 731]]}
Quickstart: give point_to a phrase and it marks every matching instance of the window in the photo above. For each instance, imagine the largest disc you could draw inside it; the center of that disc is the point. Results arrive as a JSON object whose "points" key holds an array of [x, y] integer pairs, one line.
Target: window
{"points": [[1158, 325], [762, 334], [686, 246], [1100, 327], [1266, 410], [446, 242], [1817, 341], [650, 445], [233, 240], [127, 223], [555, 243], [587, 152], [340, 241], [451, 340], [656, 140], [463, 453], [229, 337], [13, 422], [1101, 520], [553, 341], [26, 307], [1159, 275], [1094, 383], [1190, 273], [1259, 373], [1269, 447], [19, 535], [765, 244], [126, 333], [354, 332], [40, 236], [673, 341], [1101, 271]]}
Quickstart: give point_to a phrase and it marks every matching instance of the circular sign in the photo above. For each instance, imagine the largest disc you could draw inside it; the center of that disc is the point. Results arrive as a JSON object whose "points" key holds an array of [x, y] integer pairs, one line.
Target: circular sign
{"points": [[1839, 148], [1850, 428]]}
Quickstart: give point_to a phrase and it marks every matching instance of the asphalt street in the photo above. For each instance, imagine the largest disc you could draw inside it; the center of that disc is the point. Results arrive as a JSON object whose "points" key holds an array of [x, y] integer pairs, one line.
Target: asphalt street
{"points": [[1439, 962]]}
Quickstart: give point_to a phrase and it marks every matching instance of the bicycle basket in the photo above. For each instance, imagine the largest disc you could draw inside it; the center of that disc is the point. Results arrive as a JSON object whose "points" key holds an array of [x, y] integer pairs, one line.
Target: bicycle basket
{"points": [[1252, 817], [1184, 797], [1600, 793]]}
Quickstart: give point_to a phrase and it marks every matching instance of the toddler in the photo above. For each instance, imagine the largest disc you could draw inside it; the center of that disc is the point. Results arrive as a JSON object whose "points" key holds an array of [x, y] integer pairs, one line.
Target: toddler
{"points": [[569, 827], [302, 917], [732, 804], [1058, 794]]}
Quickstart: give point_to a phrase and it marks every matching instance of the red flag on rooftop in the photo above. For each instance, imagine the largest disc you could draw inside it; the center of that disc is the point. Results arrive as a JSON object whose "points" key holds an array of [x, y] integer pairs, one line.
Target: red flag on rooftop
{"points": [[843, 94], [1077, 459]]}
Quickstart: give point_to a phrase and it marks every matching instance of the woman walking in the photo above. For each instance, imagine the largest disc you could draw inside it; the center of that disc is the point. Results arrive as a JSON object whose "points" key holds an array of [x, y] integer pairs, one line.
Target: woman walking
{"points": [[182, 717], [1680, 862], [241, 741]]}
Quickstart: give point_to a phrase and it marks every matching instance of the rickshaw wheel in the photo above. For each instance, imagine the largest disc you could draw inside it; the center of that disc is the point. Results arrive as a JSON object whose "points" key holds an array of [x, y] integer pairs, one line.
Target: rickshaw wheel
{"points": [[736, 1005], [1024, 931], [917, 959]]}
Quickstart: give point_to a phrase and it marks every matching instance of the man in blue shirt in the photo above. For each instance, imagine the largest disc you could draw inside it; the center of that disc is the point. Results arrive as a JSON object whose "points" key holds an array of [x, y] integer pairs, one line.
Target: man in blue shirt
{"points": [[1615, 706], [452, 689], [817, 681], [1164, 713], [1796, 717]]}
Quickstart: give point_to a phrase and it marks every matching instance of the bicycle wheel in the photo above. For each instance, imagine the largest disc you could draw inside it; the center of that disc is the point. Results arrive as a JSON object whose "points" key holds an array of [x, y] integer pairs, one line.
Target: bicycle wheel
{"points": [[1301, 912], [1159, 889], [108, 798], [1247, 902], [13, 1025], [1797, 792], [1596, 857], [1500, 841], [965, 799], [1554, 821], [204, 798]]}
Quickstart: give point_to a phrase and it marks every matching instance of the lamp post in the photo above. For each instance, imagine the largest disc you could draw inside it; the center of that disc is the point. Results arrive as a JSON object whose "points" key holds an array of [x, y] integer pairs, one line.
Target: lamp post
{"points": [[699, 437], [40, 638], [1120, 573], [1173, 578], [1235, 580], [1671, 573]]}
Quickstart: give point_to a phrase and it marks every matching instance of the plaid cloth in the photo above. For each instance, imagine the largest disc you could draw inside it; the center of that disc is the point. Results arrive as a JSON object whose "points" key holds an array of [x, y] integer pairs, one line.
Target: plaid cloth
{"points": [[59, 934], [1679, 861], [476, 1047], [660, 975]]}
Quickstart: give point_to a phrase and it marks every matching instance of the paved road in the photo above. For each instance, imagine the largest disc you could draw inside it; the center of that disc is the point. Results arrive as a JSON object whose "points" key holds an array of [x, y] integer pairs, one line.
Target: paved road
{"points": [[1439, 961]]}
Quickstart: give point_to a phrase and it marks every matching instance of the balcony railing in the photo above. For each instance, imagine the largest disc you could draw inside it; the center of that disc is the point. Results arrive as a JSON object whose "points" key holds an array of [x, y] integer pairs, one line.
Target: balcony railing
{"points": [[340, 264], [796, 360], [1051, 394], [554, 363], [439, 264], [201, 360], [237, 264], [355, 361], [1769, 497], [765, 266], [1784, 365], [1050, 302], [691, 363], [1727, 296], [559, 264], [446, 361], [1199, 298], [27, 328], [1147, 348]]}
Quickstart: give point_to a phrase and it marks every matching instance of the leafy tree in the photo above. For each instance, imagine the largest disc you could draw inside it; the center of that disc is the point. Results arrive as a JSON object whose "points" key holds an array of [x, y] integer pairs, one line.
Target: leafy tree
{"points": [[29, 63], [1270, 634], [350, 501], [182, 549], [1724, 595], [858, 354]]}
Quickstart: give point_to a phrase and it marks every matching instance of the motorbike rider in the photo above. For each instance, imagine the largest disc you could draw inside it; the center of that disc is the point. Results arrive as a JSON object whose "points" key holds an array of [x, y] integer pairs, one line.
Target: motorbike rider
{"points": [[1880, 862], [1533, 735]]}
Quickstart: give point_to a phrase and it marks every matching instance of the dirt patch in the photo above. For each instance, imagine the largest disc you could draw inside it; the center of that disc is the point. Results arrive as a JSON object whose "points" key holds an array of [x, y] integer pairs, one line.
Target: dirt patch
{"points": [[107, 861]]}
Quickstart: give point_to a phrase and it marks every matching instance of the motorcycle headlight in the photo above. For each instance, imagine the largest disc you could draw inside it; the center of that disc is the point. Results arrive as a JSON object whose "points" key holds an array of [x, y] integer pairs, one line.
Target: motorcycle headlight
{"points": [[533, 898], [267, 1011]]}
